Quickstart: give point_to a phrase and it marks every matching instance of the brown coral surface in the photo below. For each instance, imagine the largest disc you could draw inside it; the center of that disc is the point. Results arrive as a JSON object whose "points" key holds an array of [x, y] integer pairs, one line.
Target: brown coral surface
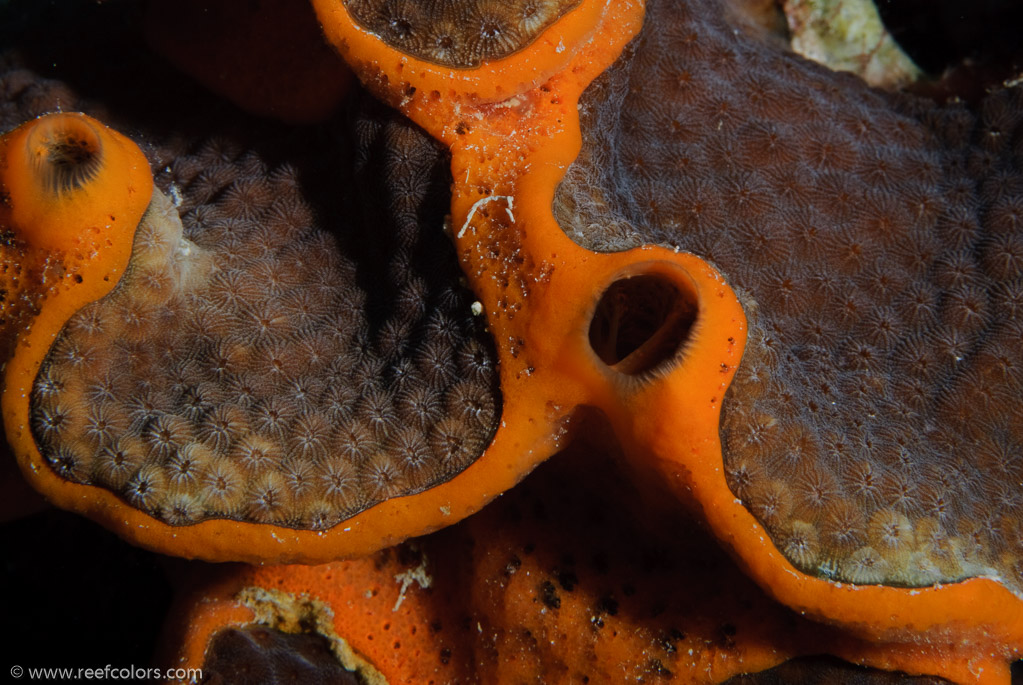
{"points": [[262, 363]]}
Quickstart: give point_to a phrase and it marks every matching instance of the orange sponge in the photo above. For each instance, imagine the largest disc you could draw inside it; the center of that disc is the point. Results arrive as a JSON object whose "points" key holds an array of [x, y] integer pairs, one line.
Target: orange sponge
{"points": [[72, 193], [72, 187]]}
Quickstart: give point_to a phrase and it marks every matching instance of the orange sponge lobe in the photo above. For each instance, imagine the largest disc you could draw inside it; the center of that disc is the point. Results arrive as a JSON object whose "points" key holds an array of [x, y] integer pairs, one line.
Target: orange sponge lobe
{"points": [[72, 192], [71, 185]]}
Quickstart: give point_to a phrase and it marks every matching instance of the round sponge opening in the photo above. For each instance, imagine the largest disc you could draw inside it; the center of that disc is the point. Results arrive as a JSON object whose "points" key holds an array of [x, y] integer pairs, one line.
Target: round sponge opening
{"points": [[642, 321], [66, 153]]}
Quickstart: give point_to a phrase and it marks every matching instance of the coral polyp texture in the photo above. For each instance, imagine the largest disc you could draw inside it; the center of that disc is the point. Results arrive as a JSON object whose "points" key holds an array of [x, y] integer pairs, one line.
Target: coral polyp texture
{"points": [[456, 33], [874, 426], [255, 365]]}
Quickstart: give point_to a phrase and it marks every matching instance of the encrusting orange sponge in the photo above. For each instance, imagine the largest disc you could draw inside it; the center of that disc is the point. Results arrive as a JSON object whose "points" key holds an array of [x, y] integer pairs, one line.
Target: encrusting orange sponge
{"points": [[277, 516], [574, 576], [650, 337], [72, 193], [666, 331]]}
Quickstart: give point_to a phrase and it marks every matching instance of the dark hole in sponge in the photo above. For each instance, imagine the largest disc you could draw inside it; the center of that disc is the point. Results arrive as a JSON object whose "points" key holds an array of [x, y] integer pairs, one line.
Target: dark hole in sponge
{"points": [[69, 154], [641, 322]]}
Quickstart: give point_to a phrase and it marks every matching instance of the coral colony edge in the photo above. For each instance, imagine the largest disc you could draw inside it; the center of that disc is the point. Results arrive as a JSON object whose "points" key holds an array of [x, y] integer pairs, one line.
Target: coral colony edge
{"points": [[544, 340]]}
